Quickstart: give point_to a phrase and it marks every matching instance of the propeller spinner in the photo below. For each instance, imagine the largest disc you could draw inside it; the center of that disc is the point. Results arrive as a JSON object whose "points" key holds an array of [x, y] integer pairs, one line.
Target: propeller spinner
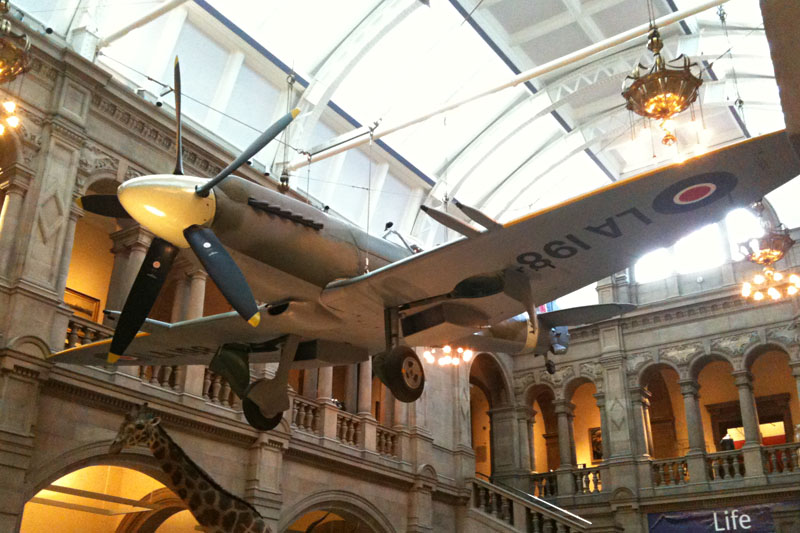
{"points": [[178, 209]]}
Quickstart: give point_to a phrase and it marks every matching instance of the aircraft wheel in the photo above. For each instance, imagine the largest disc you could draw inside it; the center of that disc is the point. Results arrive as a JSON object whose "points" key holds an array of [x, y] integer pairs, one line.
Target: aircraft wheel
{"points": [[404, 374], [257, 419]]}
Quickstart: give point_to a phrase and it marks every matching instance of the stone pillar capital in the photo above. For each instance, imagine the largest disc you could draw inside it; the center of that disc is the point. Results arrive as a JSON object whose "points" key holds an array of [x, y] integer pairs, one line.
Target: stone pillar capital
{"points": [[563, 407], [742, 378], [129, 238], [795, 366], [689, 387]]}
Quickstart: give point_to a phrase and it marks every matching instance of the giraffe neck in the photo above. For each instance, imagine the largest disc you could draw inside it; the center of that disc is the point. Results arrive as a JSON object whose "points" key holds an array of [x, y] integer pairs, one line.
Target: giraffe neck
{"points": [[215, 509]]}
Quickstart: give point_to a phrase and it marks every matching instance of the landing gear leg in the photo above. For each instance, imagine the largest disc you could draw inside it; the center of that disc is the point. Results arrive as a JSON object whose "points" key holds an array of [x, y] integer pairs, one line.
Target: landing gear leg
{"points": [[398, 367], [265, 400]]}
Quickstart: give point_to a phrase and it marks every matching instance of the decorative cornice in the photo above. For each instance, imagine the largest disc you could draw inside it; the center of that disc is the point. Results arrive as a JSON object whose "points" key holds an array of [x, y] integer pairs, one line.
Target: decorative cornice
{"points": [[735, 345]]}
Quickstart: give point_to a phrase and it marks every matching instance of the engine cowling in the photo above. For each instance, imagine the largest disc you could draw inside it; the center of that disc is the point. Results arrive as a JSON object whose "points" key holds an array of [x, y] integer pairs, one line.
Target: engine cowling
{"points": [[532, 335]]}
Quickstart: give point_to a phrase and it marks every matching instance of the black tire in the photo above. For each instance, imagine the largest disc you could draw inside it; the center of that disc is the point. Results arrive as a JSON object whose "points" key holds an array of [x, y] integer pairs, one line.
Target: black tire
{"points": [[404, 374], [257, 419]]}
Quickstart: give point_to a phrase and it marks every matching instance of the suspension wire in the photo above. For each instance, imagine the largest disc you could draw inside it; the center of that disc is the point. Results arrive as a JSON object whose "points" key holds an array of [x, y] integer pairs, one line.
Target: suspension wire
{"points": [[195, 100], [739, 103]]}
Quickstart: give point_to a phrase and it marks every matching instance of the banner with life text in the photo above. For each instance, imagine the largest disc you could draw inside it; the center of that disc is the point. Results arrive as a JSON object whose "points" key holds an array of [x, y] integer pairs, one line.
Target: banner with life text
{"points": [[748, 519]]}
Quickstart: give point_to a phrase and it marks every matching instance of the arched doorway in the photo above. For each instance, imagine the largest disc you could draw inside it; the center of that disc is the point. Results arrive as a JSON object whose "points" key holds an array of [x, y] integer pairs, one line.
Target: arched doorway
{"points": [[106, 498], [775, 392], [668, 435], [545, 429], [586, 424], [719, 402], [323, 521], [489, 394]]}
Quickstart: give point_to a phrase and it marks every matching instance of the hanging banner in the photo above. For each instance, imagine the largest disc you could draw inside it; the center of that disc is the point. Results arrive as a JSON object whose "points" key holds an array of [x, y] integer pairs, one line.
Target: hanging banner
{"points": [[751, 519]]}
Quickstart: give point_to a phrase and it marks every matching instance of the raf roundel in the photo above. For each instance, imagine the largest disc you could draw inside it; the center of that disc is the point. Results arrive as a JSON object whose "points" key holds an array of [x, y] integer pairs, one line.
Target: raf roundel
{"points": [[695, 192]]}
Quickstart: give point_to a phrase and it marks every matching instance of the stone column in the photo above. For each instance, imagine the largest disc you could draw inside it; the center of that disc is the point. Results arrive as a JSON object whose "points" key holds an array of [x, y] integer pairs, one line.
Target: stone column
{"points": [[129, 248], [351, 388], [75, 213], [796, 373], [370, 425], [601, 406], [696, 456], [329, 413], [747, 405], [9, 222], [694, 422], [751, 450], [195, 300], [263, 482], [566, 484], [325, 383], [639, 403], [525, 417]]}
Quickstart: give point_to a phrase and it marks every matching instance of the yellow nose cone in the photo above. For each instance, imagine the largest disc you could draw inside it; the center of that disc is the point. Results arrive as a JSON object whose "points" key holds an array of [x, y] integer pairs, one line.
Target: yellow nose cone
{"points": [[167, 204]]}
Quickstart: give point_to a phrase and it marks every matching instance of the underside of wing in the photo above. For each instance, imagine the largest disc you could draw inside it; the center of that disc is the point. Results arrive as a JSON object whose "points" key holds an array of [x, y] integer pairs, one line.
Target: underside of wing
{"points": [[565, 247], [194, 342]]}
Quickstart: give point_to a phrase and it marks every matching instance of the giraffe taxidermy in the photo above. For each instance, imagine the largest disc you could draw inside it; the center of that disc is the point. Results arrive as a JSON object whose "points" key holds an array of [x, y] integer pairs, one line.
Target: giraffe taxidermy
{"points": [[217, 510]]}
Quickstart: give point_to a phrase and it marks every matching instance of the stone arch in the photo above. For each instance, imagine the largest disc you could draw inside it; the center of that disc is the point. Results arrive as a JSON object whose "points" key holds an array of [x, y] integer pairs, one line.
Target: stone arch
{"points": [[545, 426], [569, 387], [697, 364], [92, 454], [645, 369], [756, 351], [487, 370], [30, 345], [165, 504], [664, 410], [100, 182], [341, 502]]}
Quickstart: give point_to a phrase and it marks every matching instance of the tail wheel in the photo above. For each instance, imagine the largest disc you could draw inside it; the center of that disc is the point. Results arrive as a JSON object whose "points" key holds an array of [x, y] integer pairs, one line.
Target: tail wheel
{"points": [[404, 374]]}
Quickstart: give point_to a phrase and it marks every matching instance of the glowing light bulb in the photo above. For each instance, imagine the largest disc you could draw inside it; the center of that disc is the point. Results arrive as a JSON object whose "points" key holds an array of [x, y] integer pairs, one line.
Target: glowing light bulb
{"points": [[758, 279], [9, 106], [446, 349], [428, 357], [791, 290], [12, 121], [758, 296], [445, 360], [467, 356], [746, 289], [456, 361], [777, 276], [794, 279], [460, 349], [2, 129], [442, 361], [774, 293]]}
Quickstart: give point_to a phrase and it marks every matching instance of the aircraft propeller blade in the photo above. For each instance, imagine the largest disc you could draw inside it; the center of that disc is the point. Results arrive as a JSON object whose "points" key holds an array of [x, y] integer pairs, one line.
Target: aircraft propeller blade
{"points": [[103, 204], [142, 296], [223, 270], [270, 133], [178, 135]]}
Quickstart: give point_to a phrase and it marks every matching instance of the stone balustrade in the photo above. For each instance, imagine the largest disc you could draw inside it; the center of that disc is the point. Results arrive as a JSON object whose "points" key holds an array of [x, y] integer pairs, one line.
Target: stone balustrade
{"points": [[305, 414], [165, 376], [386, 442], [217, 390], [782, 458], [725, 465], [670, 472], [588, 480], [544, 485], [348, 428], [81, 331], [522, 512]]}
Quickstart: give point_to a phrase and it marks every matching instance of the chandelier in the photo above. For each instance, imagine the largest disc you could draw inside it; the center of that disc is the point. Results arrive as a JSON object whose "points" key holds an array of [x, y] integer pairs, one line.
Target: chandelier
{"points": [[665, 89], [766, 251], [446, 355], [9, 117], [14, 48]]}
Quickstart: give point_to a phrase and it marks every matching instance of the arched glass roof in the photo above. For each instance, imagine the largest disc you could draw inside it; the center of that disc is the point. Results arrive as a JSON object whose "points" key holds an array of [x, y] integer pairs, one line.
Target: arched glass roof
{"points": [[351, 66]]}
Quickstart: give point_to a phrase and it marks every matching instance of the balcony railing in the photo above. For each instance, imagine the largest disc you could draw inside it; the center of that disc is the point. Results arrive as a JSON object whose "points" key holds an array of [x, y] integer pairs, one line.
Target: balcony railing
{"points": [[544, 485], [348, 428], [782, 458], [588, 480], [81, 331], [670, 472], [725, 465], [305, 414], [387, 442]]}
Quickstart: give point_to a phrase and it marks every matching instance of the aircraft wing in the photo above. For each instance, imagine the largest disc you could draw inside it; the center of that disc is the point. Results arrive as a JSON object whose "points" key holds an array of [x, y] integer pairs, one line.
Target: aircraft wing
{"points": [[195, 342], [565, 247]]}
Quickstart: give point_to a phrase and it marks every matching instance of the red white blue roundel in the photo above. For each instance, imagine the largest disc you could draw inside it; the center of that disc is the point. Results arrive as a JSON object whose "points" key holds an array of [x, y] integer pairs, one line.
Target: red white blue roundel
{"points": [[695, 192]]}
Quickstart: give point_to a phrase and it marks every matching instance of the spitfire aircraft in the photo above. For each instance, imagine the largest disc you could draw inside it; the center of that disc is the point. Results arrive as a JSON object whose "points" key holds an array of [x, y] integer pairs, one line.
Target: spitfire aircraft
{"points": [[313, 304]]}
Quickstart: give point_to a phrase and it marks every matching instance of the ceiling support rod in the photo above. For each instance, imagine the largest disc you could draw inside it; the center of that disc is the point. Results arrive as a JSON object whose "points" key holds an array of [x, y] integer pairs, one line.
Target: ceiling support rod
{"points": [[144, 19], [522, 77]]}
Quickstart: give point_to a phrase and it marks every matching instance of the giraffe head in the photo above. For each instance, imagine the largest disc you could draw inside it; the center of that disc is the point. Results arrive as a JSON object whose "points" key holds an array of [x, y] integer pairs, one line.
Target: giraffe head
{"points": [[138, 429]]}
